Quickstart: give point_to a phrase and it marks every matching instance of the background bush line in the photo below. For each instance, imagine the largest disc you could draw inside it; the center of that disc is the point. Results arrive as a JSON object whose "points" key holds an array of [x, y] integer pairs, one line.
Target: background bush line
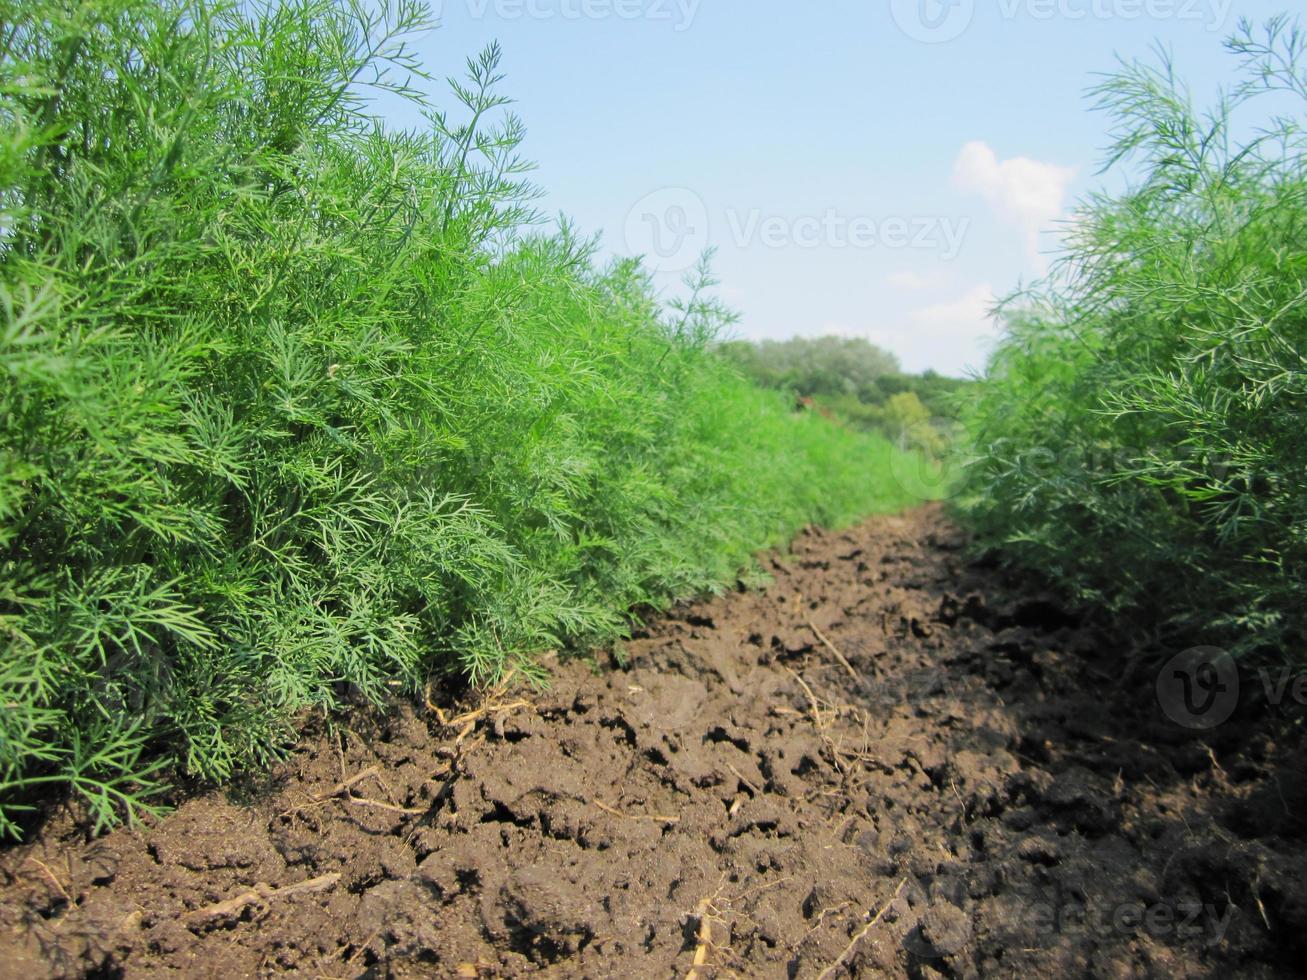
{"points": [[1141, 436], [860, 384], [298, 409]]}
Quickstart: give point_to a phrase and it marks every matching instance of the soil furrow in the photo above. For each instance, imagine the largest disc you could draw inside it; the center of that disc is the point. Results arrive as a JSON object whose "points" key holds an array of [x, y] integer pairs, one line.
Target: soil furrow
{"points": [[886, 762]]}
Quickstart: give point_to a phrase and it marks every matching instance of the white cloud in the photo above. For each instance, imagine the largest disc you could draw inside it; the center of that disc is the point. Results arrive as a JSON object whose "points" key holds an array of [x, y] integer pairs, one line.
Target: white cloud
{"points": [[1028, 193], [969, 311], [911, 281], [732, 296], [953, 337]]}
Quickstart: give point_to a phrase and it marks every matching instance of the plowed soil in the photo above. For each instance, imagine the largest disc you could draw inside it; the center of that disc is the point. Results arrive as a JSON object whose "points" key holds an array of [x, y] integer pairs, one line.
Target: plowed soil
{"points": [[886, 762]]}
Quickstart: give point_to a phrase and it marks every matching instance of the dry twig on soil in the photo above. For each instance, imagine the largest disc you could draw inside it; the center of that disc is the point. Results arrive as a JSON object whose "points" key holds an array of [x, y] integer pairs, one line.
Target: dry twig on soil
{"points": [[343, 791], [812, 700], [852, 947], [744, 779], [345, 785], [821, 921], [490, 705], [634, 816], [259, 894], [834, 650], [409, 811], [705, 940], [51, 875]]}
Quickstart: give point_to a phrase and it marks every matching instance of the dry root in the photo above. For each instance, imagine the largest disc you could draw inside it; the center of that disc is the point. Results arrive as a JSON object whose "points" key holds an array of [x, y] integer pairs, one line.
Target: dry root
{"points": [[260, 894], [704, 936], [344, 791], [835, 651], [634, 816], [53, 878], [852, 947], [492, 704]]}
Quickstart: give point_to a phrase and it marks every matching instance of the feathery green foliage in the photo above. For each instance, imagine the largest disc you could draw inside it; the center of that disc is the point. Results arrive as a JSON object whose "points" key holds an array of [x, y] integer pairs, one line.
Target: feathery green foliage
{"points": [[1142, 434], [296, 409]]}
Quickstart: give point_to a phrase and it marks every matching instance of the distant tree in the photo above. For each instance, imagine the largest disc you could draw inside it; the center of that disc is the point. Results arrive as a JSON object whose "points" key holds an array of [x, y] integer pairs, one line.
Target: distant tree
{"points": [[858, 382], [908, 421], [815, 366]]}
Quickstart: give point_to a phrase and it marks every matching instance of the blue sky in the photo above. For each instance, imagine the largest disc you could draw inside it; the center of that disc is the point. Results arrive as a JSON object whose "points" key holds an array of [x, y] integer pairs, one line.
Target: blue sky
{"points": [[877, 168]]}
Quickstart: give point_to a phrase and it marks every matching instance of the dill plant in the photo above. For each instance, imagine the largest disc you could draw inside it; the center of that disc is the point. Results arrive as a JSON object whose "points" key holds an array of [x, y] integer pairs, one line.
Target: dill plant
{"points": [[1141, 437], [297, 410]]}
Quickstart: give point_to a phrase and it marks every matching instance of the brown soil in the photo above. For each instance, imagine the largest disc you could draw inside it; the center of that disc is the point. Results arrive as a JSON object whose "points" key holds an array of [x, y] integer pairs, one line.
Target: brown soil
{"points": [[983, 790]]}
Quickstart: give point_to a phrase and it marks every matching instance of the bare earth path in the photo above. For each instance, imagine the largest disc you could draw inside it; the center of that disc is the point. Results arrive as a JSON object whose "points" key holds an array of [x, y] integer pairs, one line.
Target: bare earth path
{"points": [[882, 764]]}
